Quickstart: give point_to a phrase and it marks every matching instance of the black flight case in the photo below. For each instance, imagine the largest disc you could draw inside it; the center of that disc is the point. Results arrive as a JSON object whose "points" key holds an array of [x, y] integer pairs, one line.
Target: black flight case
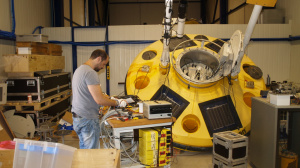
{"points": [[39, 87]]}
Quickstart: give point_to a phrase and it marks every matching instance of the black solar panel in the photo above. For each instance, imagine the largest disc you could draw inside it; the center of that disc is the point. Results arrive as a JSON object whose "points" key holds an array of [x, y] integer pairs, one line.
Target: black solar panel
{"points": [[213, 46], [220, 115], [174, 41]]}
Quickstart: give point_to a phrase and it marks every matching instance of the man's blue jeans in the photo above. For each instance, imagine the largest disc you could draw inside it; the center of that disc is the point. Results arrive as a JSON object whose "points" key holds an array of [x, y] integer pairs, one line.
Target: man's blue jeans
{"points": [[88, 131]]}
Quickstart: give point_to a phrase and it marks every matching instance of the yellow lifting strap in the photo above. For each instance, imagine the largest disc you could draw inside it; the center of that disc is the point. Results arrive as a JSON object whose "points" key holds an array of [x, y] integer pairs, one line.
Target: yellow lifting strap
{"points": [[268, 3]]}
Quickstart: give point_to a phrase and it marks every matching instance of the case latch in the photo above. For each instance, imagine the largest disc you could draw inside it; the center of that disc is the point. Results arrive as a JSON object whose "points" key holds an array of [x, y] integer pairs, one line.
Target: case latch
{"points": [[30, 82], [10, 83]]}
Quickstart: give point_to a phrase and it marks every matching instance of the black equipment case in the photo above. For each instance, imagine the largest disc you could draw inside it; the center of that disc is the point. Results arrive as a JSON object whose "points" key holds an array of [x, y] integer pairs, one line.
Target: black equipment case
{"points": [[40, 87]]}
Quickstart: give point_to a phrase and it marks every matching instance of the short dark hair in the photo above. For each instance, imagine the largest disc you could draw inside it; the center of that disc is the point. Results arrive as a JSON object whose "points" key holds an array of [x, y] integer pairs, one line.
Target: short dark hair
{"points": [[99, 53]]}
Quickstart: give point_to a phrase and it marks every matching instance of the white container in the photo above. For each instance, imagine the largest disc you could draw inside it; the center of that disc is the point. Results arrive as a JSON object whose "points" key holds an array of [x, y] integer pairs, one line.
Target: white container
{"points": [[32, 38], [28, 154], [140, 107], [20, 153], [280, 99], [63, 156], [24, 50], [34, 154], [37, 154]]}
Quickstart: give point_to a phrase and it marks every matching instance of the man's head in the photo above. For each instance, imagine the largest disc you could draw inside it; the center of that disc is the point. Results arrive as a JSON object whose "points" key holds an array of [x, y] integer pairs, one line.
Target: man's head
{"points": [[99, 58]]}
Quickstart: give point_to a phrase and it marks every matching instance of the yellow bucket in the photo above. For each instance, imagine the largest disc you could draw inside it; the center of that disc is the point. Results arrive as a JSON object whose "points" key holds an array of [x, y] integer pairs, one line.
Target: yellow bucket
{"points": [[289, 160]]}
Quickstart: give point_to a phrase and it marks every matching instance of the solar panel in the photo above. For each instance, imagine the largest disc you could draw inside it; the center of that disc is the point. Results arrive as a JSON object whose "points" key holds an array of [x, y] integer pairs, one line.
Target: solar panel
{"points": [[213, 46], [220, 115]]}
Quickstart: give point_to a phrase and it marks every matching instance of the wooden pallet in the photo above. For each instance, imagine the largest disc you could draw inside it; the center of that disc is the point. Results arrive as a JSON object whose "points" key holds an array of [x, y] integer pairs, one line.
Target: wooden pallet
{"points": [[38, 106]]}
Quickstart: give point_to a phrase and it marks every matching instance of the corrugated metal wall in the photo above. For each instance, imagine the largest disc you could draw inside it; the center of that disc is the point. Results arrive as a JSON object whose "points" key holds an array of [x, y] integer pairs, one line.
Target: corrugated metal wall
{"points": [[295, 62], [293, 13], [5, 23], [64, 34], [121, 57], [30, 14], [272, 57]]}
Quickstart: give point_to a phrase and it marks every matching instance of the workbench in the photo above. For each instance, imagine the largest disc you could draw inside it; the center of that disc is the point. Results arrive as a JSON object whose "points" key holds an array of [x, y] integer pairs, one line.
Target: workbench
{"points": [[126, 126]]}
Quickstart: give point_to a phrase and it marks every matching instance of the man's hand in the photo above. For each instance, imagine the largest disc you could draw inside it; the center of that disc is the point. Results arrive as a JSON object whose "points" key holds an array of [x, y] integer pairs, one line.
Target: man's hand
{"points": [[122, 102]]}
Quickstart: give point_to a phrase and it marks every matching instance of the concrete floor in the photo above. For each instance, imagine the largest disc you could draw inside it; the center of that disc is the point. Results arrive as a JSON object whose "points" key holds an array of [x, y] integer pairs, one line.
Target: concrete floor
{"points": [[181, 159]]}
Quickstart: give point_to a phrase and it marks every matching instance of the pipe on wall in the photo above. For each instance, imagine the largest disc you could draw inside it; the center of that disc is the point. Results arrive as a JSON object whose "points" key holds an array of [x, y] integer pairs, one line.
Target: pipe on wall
{"points": [[10, 35], [223, 11]]}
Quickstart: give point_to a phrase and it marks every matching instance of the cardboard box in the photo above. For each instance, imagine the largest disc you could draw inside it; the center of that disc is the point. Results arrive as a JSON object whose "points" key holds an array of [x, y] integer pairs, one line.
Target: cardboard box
{"points": [[68, 117], [7, 158], [102, 158]]}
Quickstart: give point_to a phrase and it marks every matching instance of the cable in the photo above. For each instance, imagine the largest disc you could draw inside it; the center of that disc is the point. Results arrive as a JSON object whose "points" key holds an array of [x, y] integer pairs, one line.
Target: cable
{"points": [[38, 27], [103, 128], [122, 145], [233, 97], [122, 93]]}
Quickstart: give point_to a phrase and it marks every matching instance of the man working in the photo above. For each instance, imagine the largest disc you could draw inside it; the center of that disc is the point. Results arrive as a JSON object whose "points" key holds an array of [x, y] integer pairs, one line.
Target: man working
{"points": [[87, 98]]}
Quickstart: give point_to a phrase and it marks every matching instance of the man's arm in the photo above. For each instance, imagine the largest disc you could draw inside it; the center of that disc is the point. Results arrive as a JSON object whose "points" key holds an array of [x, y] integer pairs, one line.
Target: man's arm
{"points": [[99, 97]]}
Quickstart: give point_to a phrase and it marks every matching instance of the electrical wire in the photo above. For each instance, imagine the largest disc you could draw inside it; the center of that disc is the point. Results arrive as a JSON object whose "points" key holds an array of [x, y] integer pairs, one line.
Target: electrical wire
{"points": [[38, 27], [110, 139], [122, 93], [109, 142], [233, 96]]}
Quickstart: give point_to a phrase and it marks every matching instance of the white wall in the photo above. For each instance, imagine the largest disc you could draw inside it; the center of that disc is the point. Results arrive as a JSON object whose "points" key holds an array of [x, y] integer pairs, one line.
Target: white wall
{"points": [[121, 57], [293, 15]]}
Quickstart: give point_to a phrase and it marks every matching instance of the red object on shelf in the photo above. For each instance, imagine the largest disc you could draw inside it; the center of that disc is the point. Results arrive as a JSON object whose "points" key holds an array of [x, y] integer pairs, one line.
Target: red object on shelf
{"points": [[7, 145]]}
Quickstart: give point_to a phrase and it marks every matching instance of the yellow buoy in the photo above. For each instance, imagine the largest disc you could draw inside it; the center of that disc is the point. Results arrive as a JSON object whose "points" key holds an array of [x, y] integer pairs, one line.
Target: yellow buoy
{"points": [[204, 102]]}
